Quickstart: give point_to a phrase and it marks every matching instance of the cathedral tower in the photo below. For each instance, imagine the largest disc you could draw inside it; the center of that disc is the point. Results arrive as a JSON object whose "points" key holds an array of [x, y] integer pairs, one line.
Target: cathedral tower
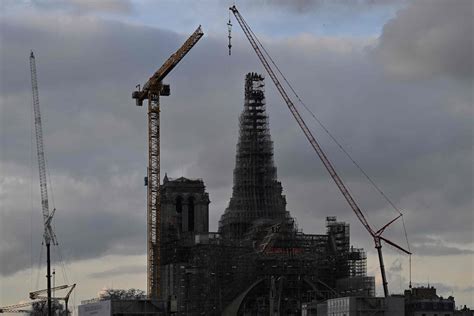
{"points": [[184, 208]]}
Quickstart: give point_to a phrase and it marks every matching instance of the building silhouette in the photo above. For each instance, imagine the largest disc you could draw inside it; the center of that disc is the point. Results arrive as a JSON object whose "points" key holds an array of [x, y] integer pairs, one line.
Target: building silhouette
{"points": [[259, 262]]}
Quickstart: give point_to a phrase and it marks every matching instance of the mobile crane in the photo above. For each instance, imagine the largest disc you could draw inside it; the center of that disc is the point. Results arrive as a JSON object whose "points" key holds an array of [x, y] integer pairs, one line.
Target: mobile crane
{"points": [[376, 234], [48, 234]]}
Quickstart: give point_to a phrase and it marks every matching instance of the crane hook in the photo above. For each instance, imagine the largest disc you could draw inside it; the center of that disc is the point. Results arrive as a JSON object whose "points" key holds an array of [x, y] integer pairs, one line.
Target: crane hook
{"points": [[229, 28]]}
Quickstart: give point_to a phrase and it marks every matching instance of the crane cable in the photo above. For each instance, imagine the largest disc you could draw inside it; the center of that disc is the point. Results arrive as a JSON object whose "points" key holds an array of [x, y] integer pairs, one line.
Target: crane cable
{"points": [[372, 182]]}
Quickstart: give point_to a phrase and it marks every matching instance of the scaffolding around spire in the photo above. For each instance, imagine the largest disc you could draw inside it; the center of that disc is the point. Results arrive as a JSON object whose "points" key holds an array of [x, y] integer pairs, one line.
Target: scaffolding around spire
{"points": [[256, 194]]}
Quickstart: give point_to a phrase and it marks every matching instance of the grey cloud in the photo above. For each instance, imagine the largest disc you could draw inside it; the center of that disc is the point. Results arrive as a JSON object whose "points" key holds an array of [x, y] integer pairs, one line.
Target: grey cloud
{"points": [[114, 6], [119, 271], [429, 38], [414, 138], [93, 217], [468, 289], [98, 160], [440, 250], [302, 6], [435, 246], [83, 6], [396, 266], [397, 131]]}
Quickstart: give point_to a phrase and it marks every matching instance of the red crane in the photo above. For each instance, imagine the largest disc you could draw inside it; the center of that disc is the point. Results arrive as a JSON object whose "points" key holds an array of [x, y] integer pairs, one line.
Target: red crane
{"points": [[376, 234]]}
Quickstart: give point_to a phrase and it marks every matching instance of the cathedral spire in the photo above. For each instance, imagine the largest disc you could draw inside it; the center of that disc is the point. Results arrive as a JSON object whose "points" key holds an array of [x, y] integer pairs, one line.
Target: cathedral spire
{"points": [[256, 194]]}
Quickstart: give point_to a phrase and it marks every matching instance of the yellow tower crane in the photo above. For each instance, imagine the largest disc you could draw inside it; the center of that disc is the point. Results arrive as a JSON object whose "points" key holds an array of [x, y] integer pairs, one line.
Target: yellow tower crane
{"points": [[152, 90]]}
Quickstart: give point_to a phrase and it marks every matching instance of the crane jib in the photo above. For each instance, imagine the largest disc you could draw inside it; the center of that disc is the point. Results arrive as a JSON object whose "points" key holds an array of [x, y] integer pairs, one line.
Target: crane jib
{"points": [[172, 61], [40, 152]]}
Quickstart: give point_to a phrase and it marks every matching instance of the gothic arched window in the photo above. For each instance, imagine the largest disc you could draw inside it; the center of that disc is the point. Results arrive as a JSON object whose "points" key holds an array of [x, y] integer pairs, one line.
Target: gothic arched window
{"points": [[191, 214], [179, 211]]}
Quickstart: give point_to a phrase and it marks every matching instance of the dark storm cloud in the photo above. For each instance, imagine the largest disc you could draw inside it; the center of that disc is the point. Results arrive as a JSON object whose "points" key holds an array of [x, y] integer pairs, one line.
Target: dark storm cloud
{"points": [[414, 138], [430, 38]]}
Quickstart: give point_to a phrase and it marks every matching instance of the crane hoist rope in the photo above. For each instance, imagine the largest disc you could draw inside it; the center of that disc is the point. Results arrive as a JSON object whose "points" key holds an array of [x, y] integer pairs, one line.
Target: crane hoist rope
{"points": [[261, 52]]}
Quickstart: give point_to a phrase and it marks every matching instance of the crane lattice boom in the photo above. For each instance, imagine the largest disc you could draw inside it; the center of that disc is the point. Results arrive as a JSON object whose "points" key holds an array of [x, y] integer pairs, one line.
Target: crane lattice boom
{"points": [[154, 83], [48, 235]]}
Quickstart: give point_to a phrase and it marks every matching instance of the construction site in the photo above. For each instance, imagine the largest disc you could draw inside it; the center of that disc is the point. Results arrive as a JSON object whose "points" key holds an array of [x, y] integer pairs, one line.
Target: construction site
{"points": [[258, 262]]}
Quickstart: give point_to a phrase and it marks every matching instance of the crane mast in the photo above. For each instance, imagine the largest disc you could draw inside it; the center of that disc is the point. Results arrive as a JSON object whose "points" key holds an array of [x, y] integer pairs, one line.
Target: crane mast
{"points": [[48, 233], [152, 90], [317, 148]]}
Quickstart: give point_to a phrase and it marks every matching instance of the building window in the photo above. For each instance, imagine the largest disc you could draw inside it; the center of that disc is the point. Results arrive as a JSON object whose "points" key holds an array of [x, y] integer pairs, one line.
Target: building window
{"points": [[179, 211], [191, 214], [179, 205]]}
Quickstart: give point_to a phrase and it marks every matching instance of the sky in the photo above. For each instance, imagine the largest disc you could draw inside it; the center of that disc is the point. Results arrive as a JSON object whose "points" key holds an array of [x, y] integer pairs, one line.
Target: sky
{"points": [[392, 81]]}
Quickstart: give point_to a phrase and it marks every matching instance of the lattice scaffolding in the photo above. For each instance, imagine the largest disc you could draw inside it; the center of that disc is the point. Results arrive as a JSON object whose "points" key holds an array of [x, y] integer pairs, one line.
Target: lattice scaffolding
{"points": [[257, 194]]}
